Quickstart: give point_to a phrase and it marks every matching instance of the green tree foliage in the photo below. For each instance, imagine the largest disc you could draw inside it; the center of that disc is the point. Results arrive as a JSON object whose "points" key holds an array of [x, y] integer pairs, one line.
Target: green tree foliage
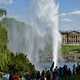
{"points": [[4, 52], [10, 61], [20, 63], [3, 38]]}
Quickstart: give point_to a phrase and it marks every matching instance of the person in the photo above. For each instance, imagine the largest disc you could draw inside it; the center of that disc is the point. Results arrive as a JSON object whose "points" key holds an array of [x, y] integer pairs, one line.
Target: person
{"points": [[52, 66], [43, 75], [48, 75], [38, 75], [15, 77]]}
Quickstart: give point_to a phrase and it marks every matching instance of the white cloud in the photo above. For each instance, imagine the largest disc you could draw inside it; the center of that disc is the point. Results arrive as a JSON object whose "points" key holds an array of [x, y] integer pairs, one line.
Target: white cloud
{"points": [[6, 1], [67, 20], [63, 14], [70, 20], [76, 12]]}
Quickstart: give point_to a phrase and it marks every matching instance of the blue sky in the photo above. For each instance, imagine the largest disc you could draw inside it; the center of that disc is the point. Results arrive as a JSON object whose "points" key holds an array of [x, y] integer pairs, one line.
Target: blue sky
{"points": [[69, 11], [69, 5]]}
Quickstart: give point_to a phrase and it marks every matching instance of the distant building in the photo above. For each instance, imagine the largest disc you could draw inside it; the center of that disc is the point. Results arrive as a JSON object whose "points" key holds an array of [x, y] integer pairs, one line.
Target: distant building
{"points": [[71, 38], [3, 12]]}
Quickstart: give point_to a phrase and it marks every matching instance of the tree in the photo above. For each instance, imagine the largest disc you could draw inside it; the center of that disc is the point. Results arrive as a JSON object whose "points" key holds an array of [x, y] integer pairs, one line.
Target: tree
{"points": [[10, 62], [3, 48], [22, 63], [3, 38]]}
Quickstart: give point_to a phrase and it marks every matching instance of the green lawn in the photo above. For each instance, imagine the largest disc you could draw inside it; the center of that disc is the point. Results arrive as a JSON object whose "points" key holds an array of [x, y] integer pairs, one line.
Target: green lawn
{"points": [[70, 48]]}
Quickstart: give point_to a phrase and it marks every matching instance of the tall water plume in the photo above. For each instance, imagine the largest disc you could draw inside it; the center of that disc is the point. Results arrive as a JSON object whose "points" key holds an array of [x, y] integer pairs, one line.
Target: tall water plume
{"points": [[46, 12]]}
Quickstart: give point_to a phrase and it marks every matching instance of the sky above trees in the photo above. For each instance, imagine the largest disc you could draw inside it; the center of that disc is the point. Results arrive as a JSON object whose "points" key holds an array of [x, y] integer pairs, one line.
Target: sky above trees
{"points": [[69, 12]]}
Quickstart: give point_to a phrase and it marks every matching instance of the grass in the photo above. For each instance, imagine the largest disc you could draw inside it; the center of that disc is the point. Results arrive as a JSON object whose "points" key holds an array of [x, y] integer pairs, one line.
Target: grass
{"points": [[66, 49]]}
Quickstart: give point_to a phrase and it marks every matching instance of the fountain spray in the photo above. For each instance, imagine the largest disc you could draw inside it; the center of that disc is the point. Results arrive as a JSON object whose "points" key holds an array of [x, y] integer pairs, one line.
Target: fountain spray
{"points": [[43, 13], [47, 12]]}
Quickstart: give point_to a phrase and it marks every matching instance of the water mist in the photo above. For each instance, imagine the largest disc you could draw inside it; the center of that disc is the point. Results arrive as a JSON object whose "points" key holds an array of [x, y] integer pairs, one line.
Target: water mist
{"points": [[46, 12], [43, 16]]}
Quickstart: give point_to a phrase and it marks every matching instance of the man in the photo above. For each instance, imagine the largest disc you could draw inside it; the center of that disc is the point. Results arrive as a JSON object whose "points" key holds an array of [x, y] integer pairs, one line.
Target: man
{"points": [[52, 66], [15, 77]]}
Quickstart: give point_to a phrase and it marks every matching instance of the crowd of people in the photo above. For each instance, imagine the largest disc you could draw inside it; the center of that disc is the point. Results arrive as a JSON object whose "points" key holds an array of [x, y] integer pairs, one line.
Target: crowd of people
{"points": [[59, 73]]}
